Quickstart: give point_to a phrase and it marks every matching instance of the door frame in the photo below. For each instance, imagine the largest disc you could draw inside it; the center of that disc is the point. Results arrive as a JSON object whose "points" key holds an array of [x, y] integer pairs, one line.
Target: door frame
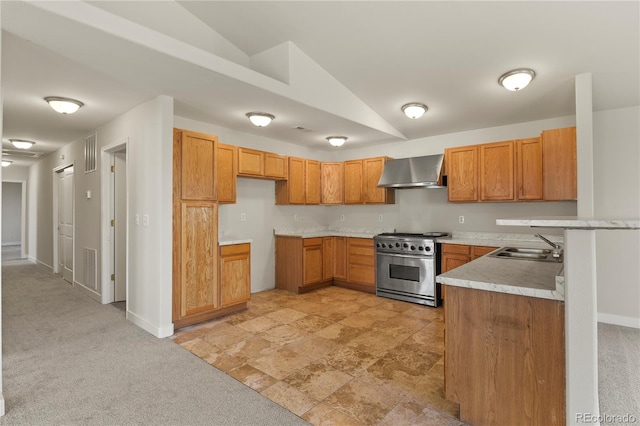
{"points": [[107, 154], [56, 255], [23, 214]]}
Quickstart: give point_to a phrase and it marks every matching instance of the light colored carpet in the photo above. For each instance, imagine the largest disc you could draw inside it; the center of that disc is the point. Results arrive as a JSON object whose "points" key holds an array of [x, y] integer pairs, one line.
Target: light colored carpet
{"points": [[69, 360], [619, 372]]}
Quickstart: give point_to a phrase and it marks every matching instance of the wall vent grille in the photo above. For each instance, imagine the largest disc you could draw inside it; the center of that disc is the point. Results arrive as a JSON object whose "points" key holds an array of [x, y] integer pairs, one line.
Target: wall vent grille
{"points": [[90, 268], [90, 148]]}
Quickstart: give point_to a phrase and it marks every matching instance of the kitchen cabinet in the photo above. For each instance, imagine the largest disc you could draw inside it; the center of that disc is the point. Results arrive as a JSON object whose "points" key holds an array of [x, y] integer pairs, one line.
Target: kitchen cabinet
{"points": [[299, 264], [332, 183], [559, 164], [340, 258], [302, 185], [226, 173], [529, 169], [261, 164], [462, 173], [327, 258], [361, 182], [497, 174], [361, 274], [235, 274], [196, 170], [454, 255], [505, 357]]}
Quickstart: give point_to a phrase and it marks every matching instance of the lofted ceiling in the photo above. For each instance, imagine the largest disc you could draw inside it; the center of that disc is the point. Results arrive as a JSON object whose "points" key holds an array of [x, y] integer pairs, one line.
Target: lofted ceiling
{"points": [[333, 67]]}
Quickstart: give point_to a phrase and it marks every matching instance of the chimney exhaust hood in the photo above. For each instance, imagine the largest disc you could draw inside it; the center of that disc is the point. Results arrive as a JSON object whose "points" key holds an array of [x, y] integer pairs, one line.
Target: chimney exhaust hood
{"points": [[414, 172]]}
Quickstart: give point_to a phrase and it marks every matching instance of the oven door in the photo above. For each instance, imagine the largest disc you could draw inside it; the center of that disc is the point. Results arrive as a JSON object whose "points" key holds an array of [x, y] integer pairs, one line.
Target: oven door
{"points": [[406, 273]]}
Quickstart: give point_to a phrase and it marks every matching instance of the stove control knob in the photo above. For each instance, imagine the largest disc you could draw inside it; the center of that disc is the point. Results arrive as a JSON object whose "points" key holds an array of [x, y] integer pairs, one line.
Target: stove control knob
{"points": [[427, 249], [405, 245], [413, 247], [377, 244], [420, 248], [384, 245], [397, 244]]}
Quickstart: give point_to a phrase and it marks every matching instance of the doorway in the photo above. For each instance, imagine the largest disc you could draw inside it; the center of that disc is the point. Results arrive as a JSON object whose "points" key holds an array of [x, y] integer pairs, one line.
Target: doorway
{"points": [[13, 219], [63, 211], [115, 224]]}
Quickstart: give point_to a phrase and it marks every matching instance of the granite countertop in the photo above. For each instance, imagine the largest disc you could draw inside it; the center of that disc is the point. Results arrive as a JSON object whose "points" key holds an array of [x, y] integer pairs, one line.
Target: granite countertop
{"points": [[330, 231], [543, 280], [225, 242], [490, 239], [572, 222]]}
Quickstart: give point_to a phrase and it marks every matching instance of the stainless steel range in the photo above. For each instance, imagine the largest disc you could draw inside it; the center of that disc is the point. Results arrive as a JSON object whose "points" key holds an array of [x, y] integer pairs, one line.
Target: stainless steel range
{"points": [[407, 265]]}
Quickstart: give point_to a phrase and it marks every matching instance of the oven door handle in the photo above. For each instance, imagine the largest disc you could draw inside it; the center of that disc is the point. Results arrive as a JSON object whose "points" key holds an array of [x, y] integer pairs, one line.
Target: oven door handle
{"points": [[408, 256]]}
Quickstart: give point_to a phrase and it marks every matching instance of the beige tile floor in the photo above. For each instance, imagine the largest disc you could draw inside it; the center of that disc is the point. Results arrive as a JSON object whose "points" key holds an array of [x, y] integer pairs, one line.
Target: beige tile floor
{"points": [[334, 356]]}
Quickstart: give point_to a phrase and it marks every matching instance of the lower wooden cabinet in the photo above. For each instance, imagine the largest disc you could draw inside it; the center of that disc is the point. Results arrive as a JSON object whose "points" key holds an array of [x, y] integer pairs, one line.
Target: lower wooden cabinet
{"points": [[304, 264], [454, 255], [235, 274], [505, 358]]}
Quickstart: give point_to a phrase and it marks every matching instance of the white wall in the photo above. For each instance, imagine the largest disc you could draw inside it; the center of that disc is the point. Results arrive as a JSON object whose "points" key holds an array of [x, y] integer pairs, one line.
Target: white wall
{"points": [[11, 213], [617, 195]]}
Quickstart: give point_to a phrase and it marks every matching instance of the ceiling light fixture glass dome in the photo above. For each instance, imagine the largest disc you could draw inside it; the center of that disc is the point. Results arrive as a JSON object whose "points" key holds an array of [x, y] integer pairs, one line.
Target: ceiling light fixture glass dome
{"points": [[515, 80], [63, 105], [414, 110], [6, 163], [260, 119], [337, 140], [21, 143]]}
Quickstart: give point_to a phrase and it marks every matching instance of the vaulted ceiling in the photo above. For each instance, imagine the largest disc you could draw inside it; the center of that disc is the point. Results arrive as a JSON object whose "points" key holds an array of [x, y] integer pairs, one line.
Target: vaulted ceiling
{"points": [[330, 67]]}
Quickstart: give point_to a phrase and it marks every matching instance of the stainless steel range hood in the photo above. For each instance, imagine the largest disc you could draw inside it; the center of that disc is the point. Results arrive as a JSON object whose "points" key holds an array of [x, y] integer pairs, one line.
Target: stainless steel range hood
{"points": [[415, 172]]}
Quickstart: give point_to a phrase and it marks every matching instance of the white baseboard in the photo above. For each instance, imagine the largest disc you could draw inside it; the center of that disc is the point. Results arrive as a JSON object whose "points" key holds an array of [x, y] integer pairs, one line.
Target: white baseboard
{"points": [[85, 290], [159, 332], [34, 260], [619, 320], [17, 243]]}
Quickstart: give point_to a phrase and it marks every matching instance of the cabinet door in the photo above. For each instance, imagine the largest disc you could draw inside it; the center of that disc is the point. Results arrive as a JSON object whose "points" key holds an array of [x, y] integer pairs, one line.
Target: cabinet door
{"points": [[275, 166], [353, 182], [327, 258], [312, 182], [312, 261], [559, 166], [340, 258], [226, 173], [452, 261], [295, 183], [479, 251], [462, 173], [497, 176], [250, 162], [529, 169], [235, 274], [331, 182], [197, 166], [361, 261], [372, 170], [198, 292]]}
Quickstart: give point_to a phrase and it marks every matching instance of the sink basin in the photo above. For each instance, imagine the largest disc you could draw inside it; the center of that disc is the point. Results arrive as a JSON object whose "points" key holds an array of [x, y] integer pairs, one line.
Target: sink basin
{"points": [[539, 255]]}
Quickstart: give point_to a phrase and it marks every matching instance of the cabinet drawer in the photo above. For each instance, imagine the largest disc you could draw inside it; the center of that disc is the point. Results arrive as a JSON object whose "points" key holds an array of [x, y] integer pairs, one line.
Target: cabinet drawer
{"points": [[456, 249], [233, 249], [307, 242]]}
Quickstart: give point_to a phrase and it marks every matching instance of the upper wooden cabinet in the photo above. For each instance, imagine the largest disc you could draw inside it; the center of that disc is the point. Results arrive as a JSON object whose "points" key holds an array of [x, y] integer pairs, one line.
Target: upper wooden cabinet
{"points": [[462, 173], [197, 153], [529, 169], [302, 185], [559, 164], [261, 164], [332, 183], [361, 182], [497, 177], [226, 173]]}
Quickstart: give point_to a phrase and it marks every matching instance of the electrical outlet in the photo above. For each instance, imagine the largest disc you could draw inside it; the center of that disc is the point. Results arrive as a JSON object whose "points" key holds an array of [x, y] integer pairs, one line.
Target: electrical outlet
{"points": [[379, 218], [461, 219], [243, 217], [296, 217], [145, 220], [341, 217]]}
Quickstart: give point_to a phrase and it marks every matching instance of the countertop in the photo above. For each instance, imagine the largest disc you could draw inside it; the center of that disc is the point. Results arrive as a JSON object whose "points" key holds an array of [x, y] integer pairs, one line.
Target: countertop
{"points": [[543, 280], [489, 239], [329, 231], [572, 222], [232, 242]]}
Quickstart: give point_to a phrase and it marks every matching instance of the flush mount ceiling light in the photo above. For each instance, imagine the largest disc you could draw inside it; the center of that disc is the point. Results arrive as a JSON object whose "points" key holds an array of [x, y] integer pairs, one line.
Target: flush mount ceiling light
{"points": [[21, 143], [337, 140], [414, 110], [260, 119], [63, 105], [6, 163], [515, 80]]}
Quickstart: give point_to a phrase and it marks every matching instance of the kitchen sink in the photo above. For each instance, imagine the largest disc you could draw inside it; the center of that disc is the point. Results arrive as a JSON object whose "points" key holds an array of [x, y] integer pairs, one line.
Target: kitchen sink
{"points": [[539, 255]]}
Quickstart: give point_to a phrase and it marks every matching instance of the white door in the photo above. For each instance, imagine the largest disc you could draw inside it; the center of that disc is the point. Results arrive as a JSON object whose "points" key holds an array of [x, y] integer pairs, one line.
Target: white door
{"points": [[65, 223], [120, 231]]}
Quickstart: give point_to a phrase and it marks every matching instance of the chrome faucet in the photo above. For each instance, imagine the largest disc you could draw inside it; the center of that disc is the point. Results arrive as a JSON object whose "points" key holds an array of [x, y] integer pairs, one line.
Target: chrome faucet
{"points": [[557, 249]]}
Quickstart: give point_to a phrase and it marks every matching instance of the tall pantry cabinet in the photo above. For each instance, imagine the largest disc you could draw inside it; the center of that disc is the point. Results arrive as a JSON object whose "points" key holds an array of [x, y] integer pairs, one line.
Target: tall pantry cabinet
{"points": [[196, 289]]}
